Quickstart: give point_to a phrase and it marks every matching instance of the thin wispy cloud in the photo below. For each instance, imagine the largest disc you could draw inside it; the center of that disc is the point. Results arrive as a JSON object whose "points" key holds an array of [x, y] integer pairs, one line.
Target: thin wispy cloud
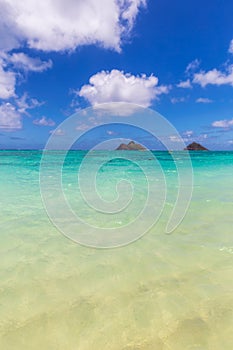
{"points": [[22, 61], [192, 66], [175, 100], [224, 123], [57, 132], [204, 100], [231, 47], [188, 133], [44, 122]]}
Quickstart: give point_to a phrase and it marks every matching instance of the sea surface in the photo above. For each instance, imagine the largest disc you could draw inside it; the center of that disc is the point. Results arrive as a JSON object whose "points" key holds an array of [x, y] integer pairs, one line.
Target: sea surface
{"points": [[161, 292]]}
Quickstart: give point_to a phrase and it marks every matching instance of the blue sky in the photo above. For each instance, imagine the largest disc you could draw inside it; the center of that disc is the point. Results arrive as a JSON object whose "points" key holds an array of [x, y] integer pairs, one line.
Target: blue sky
{"points": [[58, 57]]}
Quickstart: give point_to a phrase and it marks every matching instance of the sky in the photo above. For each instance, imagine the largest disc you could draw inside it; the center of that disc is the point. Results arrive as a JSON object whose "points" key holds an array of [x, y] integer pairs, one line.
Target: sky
{"points": [[59, 57]]}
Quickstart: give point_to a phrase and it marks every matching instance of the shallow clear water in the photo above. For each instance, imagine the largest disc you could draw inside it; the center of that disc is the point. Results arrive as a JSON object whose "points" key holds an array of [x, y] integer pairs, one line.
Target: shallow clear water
{"points": [[160, 292]]}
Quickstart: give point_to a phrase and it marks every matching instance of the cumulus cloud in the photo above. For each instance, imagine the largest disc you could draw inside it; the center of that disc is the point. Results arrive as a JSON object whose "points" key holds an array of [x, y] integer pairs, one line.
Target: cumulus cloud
{"points": [[22, 61], [10, 118], [214, 77], [116, 86], [43, 121], [231, 47], [204, 100], [225, 123], [58, 25], [185, 84]]}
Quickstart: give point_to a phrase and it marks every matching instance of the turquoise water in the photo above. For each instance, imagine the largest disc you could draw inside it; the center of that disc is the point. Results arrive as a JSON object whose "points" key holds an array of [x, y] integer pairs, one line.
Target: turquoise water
{"points": [[168, 292]]}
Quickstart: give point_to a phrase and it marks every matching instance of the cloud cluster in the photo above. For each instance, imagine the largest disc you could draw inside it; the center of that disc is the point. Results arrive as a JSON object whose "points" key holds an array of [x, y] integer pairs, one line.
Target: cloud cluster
{"points": [[54, 25], [116, 86], [58, 25]]}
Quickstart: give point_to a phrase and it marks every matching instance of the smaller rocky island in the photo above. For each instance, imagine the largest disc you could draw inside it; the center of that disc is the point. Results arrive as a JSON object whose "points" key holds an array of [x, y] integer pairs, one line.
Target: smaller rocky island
{"points": [[195, 147], [131, 146]]}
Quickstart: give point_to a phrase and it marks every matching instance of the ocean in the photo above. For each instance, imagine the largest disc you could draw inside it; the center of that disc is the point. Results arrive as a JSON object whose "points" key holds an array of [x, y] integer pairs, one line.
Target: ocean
{"points": [[156, 290]]}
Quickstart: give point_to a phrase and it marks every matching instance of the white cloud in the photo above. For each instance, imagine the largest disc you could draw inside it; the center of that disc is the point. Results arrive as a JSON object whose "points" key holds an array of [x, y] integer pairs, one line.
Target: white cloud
{"points": [[188, 133], [185, 84], [82, 127], [24, 103], [214, 77], [204, 100], [58, 25], [225, 123], [192, 66], [10, 118], [230, 142], [120, 109], [116, 86], [44, 122], [7, 82], [11, 114], [177, 99], [231, 47], [130, 10], [22, 61], [57, 132], [17, 61], [175, 138]]}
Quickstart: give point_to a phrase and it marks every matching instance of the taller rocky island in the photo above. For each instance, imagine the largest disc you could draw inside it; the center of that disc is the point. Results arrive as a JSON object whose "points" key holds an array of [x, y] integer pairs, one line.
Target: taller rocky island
{"points": [[195, 147], [131, 146]]}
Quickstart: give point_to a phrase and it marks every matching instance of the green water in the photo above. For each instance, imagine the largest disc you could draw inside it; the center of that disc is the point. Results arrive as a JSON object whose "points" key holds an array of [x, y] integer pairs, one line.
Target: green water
{"points": [[162, 292]]}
